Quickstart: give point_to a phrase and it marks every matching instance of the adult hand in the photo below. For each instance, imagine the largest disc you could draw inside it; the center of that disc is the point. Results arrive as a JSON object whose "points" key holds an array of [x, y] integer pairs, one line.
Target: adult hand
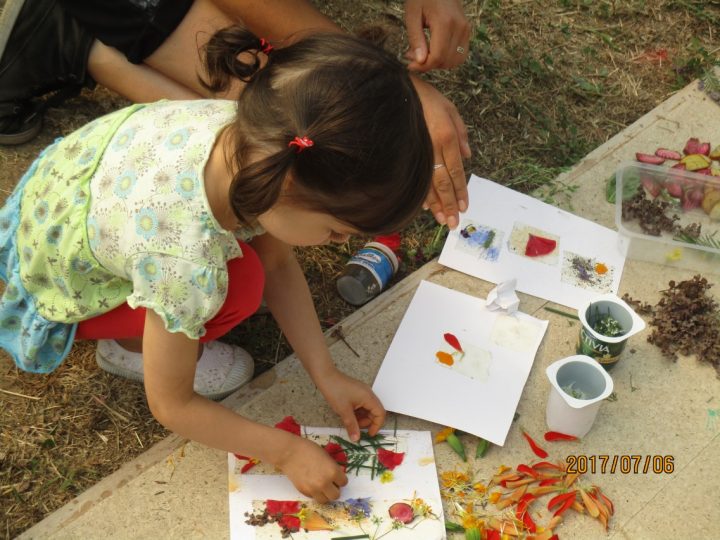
{"points": [[353, 401], [449, 34], [312, 471], [448, 195]]}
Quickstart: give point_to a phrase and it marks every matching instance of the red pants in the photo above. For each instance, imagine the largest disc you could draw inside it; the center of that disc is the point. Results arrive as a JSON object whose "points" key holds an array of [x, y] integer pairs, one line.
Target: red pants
{"points": [[246, 280]]}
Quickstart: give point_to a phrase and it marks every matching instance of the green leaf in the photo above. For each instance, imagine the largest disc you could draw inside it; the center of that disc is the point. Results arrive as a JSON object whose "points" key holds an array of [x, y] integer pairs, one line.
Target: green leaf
{"points": [[610, 189], [631, 184], [482, 447], [454, 527], [456, 445]]}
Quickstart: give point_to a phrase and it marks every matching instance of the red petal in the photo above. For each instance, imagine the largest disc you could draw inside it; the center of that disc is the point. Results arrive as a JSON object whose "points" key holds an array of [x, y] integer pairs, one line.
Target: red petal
{"points": [[694, 146], [649, 158], [557, 436], [537, 246], [527, 470], [401, 512], [290, 522], [336, 452], [390, 240], [289, 424], [668, 154], [453, 342], [390, 459], [539, 452], [249, 465], [529, 523]]}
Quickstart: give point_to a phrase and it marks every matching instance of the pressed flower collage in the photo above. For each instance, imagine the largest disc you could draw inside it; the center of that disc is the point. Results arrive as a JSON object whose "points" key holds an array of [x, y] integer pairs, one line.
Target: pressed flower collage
{"points": [[552, 253], [393, 491]]}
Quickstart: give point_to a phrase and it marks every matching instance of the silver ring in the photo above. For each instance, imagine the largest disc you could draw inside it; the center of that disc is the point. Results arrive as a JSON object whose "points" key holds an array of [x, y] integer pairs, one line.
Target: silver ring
{"points": [[461, 50], [438, 166]]}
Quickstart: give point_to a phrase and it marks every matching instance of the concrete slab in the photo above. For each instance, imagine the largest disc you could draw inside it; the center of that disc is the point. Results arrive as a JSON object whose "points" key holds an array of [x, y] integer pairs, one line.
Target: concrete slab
{"points": [[179, 489]]}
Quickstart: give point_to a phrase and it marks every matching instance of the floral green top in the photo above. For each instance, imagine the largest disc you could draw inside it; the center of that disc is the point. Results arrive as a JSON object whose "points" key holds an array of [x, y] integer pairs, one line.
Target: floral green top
{"points": [[115, 212]]}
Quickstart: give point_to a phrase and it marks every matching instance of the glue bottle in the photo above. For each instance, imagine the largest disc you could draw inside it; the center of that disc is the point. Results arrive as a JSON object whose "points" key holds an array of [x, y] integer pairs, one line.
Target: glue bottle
{"points": [[368, 272]]}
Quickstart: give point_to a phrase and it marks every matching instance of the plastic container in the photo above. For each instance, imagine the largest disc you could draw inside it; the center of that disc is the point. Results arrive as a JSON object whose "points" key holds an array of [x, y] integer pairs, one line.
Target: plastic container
{"points": [[578, 387], [669, 249], [367, 273], [605, 349]]}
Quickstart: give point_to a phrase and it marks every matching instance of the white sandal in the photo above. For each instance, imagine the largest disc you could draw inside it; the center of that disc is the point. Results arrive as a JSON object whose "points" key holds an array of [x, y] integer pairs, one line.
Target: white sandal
{"points": [[221, 369]]}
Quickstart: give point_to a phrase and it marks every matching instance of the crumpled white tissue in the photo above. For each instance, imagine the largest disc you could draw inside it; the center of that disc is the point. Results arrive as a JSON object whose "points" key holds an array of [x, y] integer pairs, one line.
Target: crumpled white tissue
{"points": [[503, 297]]}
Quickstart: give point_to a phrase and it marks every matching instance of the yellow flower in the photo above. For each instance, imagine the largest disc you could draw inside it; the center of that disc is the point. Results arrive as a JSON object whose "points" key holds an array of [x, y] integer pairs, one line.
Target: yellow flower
{"points": [[469, 522], [494, 497], [420, 507], [480, 488], [443, 434], [386, 477], [503, 468], [453, 479]]}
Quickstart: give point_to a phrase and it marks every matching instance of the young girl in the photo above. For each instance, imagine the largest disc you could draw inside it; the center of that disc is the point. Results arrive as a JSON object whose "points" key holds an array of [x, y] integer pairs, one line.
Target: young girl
{"points": [[154, 229]]}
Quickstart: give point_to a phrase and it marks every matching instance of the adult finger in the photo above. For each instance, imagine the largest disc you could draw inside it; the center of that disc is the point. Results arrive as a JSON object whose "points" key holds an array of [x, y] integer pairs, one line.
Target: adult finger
{"points": [[418, 48], [441, 43], [450, 46], [445, 204], [452, 158]]}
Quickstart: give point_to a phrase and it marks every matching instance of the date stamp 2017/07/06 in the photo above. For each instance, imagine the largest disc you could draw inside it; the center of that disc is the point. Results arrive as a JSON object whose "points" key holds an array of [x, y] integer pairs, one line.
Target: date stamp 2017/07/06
{"points": [[620, 463]]}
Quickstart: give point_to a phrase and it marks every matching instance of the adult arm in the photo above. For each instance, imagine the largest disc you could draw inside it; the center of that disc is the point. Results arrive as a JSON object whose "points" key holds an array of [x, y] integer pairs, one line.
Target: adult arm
{"points": [[278, 20]]}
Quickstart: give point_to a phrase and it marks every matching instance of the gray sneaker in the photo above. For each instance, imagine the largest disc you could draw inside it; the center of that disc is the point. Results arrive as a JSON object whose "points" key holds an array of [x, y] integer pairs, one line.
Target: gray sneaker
{"points": [[221, 369]]}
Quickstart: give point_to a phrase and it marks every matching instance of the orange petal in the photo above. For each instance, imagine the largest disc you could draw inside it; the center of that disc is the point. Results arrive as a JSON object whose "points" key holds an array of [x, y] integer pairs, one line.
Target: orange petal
{"points": [[570, 478], [592, 508], [519, 492], [315, 522], [543, 490], [445, 358], [521, 482], [554, 522], [505, 527]]}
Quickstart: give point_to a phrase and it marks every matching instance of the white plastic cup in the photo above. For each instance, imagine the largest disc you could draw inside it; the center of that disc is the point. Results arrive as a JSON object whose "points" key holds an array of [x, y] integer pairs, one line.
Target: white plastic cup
{"points": [[573, 415]]}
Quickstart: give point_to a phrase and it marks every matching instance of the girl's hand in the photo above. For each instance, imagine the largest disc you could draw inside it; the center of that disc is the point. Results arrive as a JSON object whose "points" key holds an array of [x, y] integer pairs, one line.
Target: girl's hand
{"points": [[353, 401], [312, 471]]}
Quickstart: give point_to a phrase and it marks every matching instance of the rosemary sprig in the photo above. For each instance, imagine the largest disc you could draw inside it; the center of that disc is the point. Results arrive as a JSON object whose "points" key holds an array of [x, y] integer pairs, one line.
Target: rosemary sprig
{"points": [[706, 240]]}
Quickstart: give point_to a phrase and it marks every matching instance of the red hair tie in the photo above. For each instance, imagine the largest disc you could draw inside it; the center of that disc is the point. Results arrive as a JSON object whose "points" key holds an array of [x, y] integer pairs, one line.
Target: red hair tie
{"points": [[265, 46], [301, 142]]}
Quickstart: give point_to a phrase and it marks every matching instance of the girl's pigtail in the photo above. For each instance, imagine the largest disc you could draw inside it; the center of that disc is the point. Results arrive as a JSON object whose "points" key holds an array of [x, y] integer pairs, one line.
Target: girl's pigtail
{"points": [[223, 53], [259, 185]]}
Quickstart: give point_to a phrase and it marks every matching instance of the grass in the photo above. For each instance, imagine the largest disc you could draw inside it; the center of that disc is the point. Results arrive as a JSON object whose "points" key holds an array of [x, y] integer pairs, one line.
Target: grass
{"points": [[545, 82]]}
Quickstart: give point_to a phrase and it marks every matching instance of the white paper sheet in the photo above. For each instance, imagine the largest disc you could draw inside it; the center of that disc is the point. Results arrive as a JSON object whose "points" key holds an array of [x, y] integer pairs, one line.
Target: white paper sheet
{"points": [[571, 275], [411, 380], [415, 478]]}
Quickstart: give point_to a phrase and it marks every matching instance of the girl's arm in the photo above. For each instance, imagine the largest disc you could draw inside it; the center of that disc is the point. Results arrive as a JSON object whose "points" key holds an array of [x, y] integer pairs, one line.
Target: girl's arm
{"points": [[169, 361], [288, 297]]}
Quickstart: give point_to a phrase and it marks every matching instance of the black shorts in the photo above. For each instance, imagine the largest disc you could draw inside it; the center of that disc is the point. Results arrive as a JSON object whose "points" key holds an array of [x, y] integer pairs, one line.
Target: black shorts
{"points": [[134, 27]]}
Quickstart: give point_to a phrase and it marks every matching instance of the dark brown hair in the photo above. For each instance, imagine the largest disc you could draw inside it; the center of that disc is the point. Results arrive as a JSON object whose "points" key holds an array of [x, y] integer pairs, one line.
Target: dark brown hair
{"points": [[370, 165]]}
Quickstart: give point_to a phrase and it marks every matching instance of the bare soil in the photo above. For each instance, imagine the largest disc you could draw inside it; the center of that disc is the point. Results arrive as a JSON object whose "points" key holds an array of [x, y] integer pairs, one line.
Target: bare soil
{"points": [[545, 82]]}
